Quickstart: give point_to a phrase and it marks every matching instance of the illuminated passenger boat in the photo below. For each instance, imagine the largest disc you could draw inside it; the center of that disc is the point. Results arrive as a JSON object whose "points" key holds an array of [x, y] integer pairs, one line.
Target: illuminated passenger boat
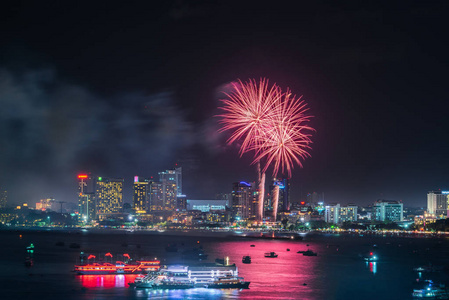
{"points": [[429, 290], [142, 266], [229, 282]]}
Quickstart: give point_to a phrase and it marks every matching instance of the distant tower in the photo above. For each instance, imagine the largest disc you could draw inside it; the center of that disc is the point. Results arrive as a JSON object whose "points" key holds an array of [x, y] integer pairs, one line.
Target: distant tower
{"points": [[156, 196], [141, 194], [86, 199], [109, 195], [170, 181]]}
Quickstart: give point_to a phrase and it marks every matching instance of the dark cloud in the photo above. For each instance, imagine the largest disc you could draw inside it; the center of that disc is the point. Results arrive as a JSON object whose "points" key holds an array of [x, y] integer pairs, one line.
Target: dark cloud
{"points": [[50, 130]]}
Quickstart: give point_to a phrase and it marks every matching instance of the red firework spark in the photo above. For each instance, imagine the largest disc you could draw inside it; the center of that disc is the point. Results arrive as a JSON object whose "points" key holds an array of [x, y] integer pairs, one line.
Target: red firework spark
{"points": [[247, 110], [286, 136], [272, 123]]}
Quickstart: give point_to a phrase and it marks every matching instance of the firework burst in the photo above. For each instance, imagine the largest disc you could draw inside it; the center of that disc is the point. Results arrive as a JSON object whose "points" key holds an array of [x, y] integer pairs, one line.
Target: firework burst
{"points": [[286, 136], [247, 111]]}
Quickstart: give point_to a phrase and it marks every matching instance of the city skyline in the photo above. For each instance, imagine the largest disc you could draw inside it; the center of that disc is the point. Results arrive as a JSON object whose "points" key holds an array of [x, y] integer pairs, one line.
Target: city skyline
{"points": [[135, 95]]}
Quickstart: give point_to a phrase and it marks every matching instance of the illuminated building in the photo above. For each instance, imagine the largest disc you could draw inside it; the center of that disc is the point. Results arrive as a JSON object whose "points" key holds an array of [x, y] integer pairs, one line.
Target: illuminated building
{"points": [[332, 213], [207, 205], [426, 218], [109, 195], [244, 200], [388, 210], [141, 195], [284, 193], [348, 213], [437, 203], [46, 204], [156, 196], [86, 197], [173, 176], [181, 202], [3, 198]]}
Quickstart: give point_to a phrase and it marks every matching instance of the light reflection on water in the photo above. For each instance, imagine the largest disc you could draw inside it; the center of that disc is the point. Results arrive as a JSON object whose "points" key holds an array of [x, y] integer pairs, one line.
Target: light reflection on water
{"points": [[106, 281]]}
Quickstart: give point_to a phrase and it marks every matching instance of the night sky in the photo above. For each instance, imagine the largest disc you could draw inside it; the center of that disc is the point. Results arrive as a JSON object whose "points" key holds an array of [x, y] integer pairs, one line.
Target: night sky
{"points": [[132, 89]]}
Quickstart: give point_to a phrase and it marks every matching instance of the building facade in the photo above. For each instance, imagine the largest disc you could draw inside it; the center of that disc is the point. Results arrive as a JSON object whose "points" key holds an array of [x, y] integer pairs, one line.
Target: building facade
{"points": [[86, 197], [244, 200], [388, 210], [141, 194], [109, 195], [332, 213], [348, 213], [437, 203]]}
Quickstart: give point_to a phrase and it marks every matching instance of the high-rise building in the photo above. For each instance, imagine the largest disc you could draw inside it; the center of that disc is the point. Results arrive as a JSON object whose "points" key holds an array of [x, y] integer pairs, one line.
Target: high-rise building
{"points": [[348, 213], [109, 195], [3, 198], [244, 200], [332, 213], [156, 196], [437, 203], [173, 176], [388, 210], [86, 197], [284, 194], [181, 202], [141, 194]]}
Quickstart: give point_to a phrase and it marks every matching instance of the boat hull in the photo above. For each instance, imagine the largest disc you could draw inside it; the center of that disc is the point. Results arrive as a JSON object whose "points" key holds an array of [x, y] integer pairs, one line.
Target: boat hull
{"points": [[240, 285]]}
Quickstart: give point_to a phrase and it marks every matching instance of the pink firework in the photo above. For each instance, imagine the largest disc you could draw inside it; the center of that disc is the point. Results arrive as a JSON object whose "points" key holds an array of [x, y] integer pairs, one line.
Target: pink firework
{"points": [[286, 137], [248, 110]]}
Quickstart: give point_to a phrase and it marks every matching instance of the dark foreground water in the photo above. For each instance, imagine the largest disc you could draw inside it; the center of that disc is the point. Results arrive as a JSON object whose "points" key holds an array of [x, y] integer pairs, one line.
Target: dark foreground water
{"points": [[336, 273]]}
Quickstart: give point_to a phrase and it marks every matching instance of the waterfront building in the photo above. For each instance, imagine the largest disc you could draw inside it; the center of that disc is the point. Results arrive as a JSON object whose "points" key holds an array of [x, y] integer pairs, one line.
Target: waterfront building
{"points": [[437, 203], [46, 204], [109, 195], [173, 176], [181, 202], [284, 193], [332, 213], [156, 196], [207, 205], [86, 197], [348, 213], [141, 195], [244, 206], [425, 219], [388, 210]]}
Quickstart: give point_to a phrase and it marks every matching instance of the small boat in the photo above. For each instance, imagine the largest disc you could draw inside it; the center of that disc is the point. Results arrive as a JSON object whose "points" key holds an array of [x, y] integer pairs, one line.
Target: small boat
{"points": [[288, 249], [428, 268], [246, 259], [309, 253], [253, 246], [228, 282], [370, 257], [271, 254], [430, 290]]}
